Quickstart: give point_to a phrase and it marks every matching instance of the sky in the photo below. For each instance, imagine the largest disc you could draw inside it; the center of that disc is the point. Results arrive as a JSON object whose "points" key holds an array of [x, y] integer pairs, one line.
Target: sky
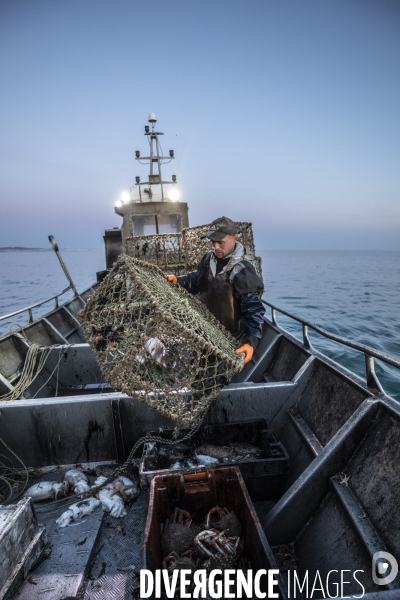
{"points": [[285, 113]]}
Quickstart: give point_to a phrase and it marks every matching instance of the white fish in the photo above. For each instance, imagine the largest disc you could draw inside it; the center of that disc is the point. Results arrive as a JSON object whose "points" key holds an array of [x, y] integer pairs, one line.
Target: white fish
{"points": [[77, 480], [74, 476], [140, 358], [176, 465], [82, 488], [77, 511], [46, 490], [157, 350], [126, 488], [111, 501], [206, 460], [100, 480]]}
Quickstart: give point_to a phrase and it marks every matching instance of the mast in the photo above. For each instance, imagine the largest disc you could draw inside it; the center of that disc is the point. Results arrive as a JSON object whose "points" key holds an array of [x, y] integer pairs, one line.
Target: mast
{"points": [[151, 207], [155, 160]]}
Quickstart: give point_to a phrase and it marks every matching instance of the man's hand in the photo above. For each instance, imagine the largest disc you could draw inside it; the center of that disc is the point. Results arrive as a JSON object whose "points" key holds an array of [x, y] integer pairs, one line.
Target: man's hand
{"points": [[171, 279], [248, 351]]}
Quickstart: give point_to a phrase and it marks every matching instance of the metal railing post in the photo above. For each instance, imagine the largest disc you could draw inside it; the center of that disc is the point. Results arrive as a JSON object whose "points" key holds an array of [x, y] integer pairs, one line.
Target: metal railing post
{"points": [[306, 339], [54, 245], [30, 313], [273, 316], [372, 379]]}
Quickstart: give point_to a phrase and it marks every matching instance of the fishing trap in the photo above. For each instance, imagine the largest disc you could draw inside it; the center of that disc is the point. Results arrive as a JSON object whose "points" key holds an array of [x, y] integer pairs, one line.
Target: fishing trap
{"points": [[179, 253], [157, 343]]}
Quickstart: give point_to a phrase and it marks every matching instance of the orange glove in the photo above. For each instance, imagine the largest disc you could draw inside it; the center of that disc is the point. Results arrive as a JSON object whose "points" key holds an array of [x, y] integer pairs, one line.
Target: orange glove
{"points": [[248, 351], [171, 279]]}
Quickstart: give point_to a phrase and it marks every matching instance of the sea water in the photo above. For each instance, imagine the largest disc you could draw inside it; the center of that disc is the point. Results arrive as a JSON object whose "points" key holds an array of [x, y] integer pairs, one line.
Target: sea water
{"points": [[352, 294]]}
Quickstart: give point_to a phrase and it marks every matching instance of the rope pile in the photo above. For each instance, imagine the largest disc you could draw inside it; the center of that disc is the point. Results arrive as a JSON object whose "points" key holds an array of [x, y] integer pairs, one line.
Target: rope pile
{"points": [[32, 368], [157, 343], [11, 478]]}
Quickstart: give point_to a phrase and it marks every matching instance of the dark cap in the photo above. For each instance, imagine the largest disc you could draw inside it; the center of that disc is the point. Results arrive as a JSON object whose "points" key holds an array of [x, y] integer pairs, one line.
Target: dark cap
{"points": [[220, 228]]}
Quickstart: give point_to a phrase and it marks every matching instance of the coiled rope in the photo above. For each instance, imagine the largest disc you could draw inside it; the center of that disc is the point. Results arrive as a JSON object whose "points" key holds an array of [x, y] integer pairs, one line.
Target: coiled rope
{"points": [[10, 476], [32, 368]]}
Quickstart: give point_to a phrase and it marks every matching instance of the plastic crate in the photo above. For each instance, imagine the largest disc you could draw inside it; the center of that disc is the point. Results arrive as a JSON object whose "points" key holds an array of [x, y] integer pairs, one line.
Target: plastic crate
{"points": [[263, 476], [198, 493]]}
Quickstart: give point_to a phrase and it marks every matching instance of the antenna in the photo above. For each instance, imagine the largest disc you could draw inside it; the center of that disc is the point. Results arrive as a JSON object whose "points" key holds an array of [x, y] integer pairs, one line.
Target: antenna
{"points": [[155, 160]]}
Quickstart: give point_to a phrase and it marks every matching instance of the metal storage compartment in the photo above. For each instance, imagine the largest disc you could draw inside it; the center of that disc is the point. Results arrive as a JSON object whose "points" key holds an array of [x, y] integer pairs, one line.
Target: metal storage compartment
{"points": [[263, 476], [197, 493]]}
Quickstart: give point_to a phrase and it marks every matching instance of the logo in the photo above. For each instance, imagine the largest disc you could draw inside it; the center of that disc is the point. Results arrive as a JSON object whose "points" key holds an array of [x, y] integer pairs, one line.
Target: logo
{"points": [[384, 568]]}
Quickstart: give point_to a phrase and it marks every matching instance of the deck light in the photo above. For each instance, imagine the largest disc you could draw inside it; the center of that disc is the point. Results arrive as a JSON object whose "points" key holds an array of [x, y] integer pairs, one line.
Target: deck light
{"points": [[137, 179], [137, 152], [171, 153], [174, 178], [118, 203], [174, 194], [125, 197], [146, 128]]}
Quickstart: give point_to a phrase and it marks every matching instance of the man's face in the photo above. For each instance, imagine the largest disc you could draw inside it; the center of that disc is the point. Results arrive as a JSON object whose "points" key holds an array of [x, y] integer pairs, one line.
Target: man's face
{"points": [[225, 246]]}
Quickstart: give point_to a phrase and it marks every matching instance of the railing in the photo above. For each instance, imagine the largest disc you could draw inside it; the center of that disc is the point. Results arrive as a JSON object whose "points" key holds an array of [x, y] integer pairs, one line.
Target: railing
{"points": [[369, 353], [71, 286], [30, 308]]}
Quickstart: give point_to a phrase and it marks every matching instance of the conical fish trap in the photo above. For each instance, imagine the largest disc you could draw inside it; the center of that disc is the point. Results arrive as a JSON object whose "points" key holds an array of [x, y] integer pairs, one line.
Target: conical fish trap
{"points": [[157, 343]]}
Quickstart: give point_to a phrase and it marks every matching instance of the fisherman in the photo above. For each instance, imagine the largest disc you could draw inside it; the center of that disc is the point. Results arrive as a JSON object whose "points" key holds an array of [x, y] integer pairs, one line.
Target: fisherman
{"points": [[228, 285]]}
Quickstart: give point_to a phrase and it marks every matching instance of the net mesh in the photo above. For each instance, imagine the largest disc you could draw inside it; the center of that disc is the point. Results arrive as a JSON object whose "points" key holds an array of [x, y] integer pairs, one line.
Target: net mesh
{"points": [[164, 250], [195, 247], [180, 253], [155, 342]]}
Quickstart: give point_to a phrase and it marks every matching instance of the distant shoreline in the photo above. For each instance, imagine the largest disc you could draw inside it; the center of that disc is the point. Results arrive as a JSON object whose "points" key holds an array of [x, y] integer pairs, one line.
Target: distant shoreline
{"points": [[22, 249]]}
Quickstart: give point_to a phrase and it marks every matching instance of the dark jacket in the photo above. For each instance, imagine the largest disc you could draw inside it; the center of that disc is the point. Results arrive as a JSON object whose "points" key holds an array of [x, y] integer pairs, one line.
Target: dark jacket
{"points": [[231, 289]]}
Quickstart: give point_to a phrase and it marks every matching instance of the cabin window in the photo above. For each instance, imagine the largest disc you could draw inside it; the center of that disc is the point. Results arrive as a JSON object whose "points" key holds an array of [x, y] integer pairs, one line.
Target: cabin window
{"points": [[169, 223], [144, 225], [153, 224]]}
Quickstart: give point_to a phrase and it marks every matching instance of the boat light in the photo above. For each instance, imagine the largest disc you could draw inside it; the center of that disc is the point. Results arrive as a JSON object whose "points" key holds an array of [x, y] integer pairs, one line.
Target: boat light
{"points": [[125, 197], [171, 153], [118, 203], [174, 194], [137, 179], [174, 178], [146, 128], [137, 152]]}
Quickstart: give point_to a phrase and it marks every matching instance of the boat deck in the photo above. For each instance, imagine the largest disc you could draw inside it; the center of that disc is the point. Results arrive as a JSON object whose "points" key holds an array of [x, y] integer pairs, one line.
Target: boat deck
{"points": [[340, 496]]}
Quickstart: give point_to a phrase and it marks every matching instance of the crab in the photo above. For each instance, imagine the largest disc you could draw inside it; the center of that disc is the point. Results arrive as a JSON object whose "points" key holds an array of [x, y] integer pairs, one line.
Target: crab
{"points": [[228, 521], [177, 535], [182, 517], [174, 562], [221, 550]]}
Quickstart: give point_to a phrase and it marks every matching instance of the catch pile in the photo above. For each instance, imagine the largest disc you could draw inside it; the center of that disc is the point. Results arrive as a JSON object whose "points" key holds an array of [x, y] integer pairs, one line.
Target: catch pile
{"points": [[216, 544], [112, 496], [157, 343], [183, 456]]}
